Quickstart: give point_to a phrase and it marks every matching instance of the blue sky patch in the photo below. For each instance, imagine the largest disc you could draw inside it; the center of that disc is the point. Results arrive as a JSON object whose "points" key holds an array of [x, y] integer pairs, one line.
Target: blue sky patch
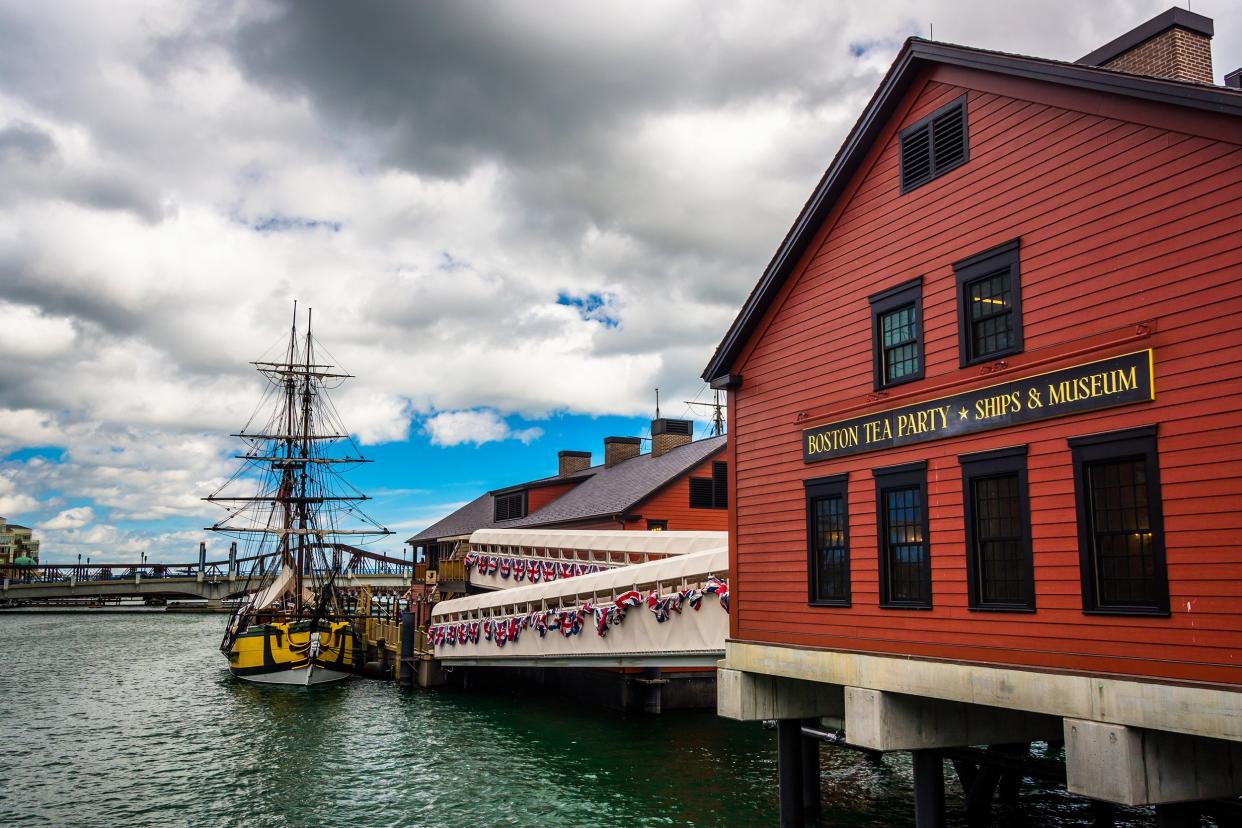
{"points": [[594, 307]]}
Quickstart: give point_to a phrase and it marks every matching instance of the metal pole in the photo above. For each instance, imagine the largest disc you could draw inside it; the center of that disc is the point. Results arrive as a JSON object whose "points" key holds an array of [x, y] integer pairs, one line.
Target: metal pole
{"points": [[928, 788], [789, 772]]}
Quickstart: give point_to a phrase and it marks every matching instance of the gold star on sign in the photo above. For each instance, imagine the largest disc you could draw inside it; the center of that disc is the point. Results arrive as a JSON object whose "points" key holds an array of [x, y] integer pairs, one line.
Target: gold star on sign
{"points": [[964, 413]]}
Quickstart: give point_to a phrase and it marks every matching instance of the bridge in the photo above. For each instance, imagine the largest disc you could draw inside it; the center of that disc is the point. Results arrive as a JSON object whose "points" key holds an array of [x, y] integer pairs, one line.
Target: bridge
{"points": [[214, 581], [669, 609]]}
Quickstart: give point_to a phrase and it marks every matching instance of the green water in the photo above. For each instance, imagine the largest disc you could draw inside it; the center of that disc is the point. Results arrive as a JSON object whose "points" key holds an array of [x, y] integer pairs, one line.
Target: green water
{"points": [[116, 720]]}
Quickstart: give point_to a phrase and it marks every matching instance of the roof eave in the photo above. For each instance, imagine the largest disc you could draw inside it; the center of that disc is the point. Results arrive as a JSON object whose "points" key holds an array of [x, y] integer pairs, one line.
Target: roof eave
{"points": [[914, 54]]}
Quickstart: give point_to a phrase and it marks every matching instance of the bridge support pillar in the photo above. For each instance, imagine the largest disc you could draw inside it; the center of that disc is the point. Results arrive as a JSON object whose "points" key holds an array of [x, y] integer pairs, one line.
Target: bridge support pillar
{"points": [[215, 603]]}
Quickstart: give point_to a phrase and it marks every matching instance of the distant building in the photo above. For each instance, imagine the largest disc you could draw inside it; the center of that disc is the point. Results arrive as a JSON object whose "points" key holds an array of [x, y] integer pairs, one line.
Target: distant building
{"points": [[17, 542], [680, 484]]}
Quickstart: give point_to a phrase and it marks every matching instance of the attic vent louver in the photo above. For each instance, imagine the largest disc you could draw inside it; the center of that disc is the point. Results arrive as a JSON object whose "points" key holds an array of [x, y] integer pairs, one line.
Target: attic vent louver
{"points": [[510, 506], [934, 145]]}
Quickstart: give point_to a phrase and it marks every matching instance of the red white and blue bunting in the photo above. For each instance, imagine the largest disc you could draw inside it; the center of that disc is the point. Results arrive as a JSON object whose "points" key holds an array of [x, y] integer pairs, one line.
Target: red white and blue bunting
{"points": [[527, 569], [570, 621]]}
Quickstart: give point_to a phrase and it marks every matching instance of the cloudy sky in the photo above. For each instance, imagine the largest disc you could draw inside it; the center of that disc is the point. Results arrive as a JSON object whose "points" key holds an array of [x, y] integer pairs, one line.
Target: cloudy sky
{"points": [[513, 220]]}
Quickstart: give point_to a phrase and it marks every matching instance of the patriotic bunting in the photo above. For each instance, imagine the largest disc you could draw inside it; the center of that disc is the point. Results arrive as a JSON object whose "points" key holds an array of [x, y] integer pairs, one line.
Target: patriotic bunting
{"points": [[569, 621], [522, 569]]}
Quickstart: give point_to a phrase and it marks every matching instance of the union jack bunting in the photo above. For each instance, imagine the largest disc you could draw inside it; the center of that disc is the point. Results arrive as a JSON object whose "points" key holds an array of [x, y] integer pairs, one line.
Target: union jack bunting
{"points": [[519, 569], [470, 560], [506, 567], [549, 570]]}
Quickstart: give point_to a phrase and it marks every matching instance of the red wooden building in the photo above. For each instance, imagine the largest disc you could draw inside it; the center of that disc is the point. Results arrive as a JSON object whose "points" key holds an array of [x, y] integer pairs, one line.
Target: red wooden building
{"points": [[984, 408]]}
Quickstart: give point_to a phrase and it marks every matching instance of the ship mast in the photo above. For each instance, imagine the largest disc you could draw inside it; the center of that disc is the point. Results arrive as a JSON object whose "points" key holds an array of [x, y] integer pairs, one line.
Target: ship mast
{"points": [[299, 492]]}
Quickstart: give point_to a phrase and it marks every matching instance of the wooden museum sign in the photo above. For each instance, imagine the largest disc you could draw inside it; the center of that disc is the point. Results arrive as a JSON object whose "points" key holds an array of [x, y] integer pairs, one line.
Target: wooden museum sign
{"points": [[1102, 384]]}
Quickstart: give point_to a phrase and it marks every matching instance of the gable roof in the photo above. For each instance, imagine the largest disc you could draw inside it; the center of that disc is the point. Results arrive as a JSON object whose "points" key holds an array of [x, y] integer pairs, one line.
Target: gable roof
{"points": [[616, 490], [604, 492], [478, 513], [915, 55]]}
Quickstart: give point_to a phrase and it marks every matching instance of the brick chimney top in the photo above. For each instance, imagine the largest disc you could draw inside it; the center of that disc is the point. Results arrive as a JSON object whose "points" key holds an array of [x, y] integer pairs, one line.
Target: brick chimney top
{"points": [[668, 434], [1175, 44], [568, 462], [619, 449]]}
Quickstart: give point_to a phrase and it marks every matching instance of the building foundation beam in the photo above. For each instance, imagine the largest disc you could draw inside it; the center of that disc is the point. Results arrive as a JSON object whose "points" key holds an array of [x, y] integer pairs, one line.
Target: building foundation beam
{"points": [[751, 697], [892, 721], [1133, 766]]}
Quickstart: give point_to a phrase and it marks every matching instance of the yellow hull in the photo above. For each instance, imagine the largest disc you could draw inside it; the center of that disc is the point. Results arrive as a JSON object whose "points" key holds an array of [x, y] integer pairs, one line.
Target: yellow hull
{"points": [[281, 653]]}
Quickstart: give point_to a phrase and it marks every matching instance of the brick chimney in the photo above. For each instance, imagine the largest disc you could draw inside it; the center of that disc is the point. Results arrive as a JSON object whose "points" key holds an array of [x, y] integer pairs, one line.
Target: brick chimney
{"points": [[668, 434], [568, 462], [1176, 44], [619, 449]]}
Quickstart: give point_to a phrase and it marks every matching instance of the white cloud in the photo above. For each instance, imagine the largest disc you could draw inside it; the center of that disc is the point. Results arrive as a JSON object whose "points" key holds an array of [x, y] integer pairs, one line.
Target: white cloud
{"points": [[74, 518], [14, 502], [453, 428], [430, 185]]}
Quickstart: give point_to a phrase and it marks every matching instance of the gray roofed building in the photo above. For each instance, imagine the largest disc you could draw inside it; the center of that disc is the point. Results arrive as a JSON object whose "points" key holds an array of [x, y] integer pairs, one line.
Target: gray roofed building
{"points": [[605, 492]]}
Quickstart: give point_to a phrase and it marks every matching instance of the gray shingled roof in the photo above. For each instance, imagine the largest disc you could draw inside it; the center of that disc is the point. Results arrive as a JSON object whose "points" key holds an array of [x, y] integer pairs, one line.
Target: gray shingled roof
{"points": [[613, 491], [605, 493]]}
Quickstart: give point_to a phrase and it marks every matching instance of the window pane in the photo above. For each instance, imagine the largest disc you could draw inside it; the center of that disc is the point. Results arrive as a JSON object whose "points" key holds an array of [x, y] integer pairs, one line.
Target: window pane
{"points": [[899, 341], [831, 554], [998, 535], [905, 548], [1125, 560], [990, 304]]}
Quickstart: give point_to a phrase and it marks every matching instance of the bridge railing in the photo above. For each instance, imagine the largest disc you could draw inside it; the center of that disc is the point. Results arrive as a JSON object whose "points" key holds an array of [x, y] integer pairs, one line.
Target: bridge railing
{"points": [[78, 573]]}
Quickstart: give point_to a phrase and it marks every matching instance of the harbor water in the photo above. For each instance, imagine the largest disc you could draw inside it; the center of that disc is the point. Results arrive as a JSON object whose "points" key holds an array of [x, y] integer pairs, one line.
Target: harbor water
{"points": [[133, 720]]}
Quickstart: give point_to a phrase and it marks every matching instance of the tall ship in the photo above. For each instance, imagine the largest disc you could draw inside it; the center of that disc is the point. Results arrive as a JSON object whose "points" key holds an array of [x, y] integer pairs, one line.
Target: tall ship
{"points": [[295, 517]]}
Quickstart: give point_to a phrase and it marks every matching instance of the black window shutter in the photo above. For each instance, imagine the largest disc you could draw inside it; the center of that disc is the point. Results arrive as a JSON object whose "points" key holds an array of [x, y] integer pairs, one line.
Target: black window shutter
{"points": [[701, 493], [934, 145], [720, 485], [916, 161], [948, 139], [510, 506]]}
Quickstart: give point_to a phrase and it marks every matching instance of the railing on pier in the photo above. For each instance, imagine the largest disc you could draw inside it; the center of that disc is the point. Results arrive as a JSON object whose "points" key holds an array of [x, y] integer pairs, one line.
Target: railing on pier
{"points": [[451, 571]]}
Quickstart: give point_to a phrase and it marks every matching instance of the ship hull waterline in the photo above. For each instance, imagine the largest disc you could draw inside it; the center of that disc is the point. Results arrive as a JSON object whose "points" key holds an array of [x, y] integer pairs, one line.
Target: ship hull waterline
{"points": [[280, 653], [296, 677]]}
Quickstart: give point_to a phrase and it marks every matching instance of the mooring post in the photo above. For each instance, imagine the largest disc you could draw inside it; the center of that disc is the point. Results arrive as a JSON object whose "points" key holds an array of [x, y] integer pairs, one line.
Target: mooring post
{"points": [[811, 795], [928, 788], [789, 772], [405, 673]]}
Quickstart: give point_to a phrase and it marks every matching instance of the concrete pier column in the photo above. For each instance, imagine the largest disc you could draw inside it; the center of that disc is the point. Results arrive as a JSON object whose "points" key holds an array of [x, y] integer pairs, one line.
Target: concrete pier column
{"points": [[789, 771], [653, 690], [812, 805], [928, 788]]}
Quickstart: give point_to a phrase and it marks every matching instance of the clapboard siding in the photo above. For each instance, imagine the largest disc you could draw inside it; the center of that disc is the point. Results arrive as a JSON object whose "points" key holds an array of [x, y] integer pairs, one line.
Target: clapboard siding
{"points": [[1129, 217], [672, 503], [539, 496]]}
